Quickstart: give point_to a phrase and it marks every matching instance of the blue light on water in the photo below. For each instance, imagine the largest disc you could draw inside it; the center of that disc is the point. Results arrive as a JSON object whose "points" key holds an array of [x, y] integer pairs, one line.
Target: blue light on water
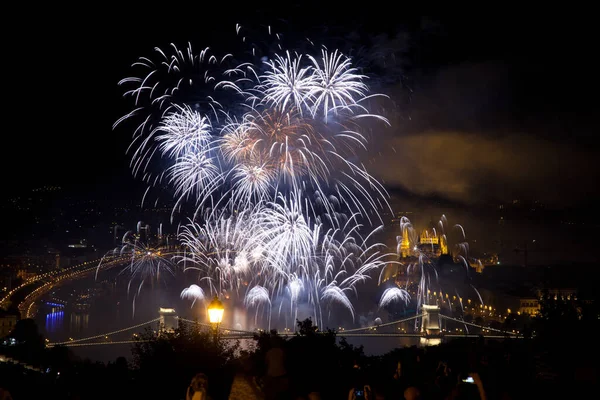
{"points": [[54, 320]]}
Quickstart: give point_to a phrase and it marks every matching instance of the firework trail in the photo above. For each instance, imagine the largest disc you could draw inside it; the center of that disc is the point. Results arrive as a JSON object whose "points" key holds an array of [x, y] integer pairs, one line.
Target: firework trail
{"points": [[267, 154], [277, 247], [256, 297], [394, 294], [194, 293], [146, 261]]}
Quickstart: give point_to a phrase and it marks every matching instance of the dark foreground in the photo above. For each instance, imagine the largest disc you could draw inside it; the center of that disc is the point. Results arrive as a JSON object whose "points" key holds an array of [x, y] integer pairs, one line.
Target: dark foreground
{"points": [[556, 363]]}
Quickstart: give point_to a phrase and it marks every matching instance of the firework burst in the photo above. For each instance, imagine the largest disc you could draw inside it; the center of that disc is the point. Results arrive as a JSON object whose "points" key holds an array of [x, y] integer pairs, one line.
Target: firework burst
{"points": [[267, 153]]}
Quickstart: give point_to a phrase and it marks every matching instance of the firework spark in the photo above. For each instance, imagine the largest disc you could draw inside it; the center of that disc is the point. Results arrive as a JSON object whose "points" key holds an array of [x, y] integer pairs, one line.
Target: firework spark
{"points": [[194, 293], [420, 257], [147, 262], [266, 153], [394, 294]]}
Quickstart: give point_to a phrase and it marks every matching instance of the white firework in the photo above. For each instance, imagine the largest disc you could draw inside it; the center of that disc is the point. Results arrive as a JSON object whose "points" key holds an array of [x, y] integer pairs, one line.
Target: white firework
{"points": [[268, 155], [287, 83], [256, 297], [394, 295], [285, 233], [222, 249], [336, 85], [147, 262], [183, 132], [194, 174], [194, 293], [252, 182]]}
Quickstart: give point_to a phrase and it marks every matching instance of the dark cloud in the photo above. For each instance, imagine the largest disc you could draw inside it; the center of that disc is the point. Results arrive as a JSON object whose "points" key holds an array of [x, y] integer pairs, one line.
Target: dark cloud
{"points": [[490, 131], [470, 167]]}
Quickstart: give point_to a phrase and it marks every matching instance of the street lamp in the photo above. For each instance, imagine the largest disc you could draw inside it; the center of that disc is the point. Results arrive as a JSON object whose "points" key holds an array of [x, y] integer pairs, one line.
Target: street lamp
{"points": [[215, 314]]}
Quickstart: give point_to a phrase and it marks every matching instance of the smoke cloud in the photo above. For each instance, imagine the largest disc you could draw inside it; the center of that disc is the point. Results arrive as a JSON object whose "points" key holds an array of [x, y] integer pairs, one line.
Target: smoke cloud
{"points": [[470, 168]]}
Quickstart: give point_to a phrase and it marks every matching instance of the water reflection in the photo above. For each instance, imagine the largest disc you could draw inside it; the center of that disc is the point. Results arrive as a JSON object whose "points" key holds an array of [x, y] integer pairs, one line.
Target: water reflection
{"points": [[79, 322], [54, 320]]}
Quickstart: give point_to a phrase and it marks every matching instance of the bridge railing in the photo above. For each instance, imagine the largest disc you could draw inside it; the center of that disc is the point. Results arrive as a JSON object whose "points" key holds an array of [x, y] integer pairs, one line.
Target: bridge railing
{"points": [[478, 326], [76, 341]]}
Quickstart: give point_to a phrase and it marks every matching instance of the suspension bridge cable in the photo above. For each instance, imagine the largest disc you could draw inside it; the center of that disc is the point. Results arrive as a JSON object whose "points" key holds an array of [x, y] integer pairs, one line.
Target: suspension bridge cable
{"points": [[383, 325], [477, 326], [102, 343], [105, 334]]}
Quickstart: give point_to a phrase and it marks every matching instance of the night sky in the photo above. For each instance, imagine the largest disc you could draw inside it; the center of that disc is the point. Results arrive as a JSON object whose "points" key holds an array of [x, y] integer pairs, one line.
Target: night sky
{"points": [[489, 107]]}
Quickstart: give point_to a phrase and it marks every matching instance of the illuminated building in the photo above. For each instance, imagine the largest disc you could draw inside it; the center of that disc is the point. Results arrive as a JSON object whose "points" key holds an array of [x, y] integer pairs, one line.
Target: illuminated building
{"points": [[405, 245], [565, 294], [429, 242], [443, 245], [25, 274], [427, 238], [529, 305], [7, 323]]}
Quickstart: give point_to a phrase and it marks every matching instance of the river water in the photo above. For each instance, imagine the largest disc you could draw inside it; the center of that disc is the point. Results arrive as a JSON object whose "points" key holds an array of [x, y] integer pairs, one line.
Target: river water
{"points": [[94, 307]]}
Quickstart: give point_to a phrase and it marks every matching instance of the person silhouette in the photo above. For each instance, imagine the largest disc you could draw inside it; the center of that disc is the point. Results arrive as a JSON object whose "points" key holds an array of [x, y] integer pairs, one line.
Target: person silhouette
{"points": [[198, 389]]}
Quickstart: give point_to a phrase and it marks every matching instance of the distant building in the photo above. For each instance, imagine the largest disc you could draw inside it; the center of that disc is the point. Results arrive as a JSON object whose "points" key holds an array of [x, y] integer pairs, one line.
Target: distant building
{"points": [[25, 274], [565, 294], [429, 242], [7, 323], [405, 250], [529, 305]]}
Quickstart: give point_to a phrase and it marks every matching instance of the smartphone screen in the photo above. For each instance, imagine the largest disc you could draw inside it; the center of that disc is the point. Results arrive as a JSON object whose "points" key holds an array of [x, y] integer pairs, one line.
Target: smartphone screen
{"points": [[469, 380]]}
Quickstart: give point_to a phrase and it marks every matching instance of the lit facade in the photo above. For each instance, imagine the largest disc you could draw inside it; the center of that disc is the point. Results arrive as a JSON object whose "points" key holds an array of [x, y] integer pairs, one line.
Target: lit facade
{"points": [[427, 238], [529, 305], [405, 245], [7, 324], [443, 245]]}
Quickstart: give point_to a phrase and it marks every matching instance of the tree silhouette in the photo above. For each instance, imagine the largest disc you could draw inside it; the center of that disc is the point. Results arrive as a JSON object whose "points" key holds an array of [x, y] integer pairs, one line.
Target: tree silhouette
{"points": [[30, 344], [173, 359]]}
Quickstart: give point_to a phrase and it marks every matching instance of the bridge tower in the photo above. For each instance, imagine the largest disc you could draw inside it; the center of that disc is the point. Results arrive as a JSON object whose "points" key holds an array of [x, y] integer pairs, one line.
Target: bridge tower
{"points": [[168, 319], [430, 325]]}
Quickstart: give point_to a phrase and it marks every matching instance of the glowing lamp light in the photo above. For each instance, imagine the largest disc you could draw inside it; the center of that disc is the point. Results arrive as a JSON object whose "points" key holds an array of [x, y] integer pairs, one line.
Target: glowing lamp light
{"points": [[215, 311]]}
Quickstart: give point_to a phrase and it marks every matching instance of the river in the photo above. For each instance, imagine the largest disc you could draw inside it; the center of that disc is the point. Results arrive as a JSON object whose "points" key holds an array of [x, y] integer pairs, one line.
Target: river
{"points": [[106, 306]]}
